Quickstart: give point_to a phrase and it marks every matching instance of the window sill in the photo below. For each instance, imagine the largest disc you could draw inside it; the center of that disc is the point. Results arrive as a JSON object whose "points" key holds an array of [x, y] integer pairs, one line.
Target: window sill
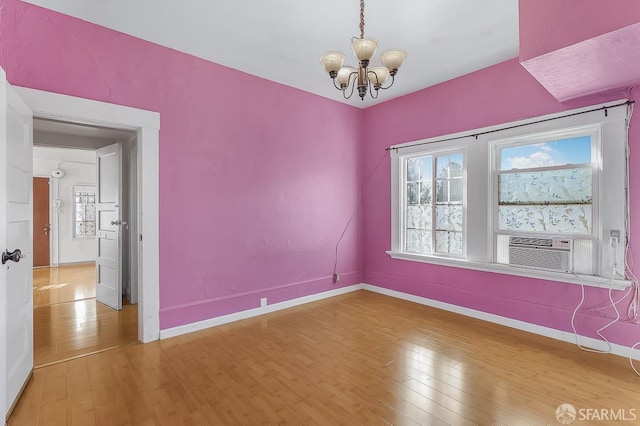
{"points": [[588, 280]]}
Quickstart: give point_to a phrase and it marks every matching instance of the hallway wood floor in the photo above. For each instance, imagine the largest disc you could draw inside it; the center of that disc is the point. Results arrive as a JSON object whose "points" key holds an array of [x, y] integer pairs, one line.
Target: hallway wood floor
{"points": [[67, 283], [360, 358], [67, 324]]}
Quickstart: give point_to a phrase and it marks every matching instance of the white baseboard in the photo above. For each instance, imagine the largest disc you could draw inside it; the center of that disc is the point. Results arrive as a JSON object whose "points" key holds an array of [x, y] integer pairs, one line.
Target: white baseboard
{"points": [[237, 316], [589, 342]]}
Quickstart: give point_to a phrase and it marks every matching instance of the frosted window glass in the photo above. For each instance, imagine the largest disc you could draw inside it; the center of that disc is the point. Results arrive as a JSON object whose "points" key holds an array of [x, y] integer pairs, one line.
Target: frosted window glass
{"points": [[418, 241], [561, 219], [455, 243], [455, 217], [565, 186], [449, 242], [419, 217], [449, 217], [549, 201]]}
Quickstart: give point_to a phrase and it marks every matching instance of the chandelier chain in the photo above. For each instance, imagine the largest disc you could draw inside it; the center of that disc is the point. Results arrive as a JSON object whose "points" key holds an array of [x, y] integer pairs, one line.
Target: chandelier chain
{"points": [[361, 18]]}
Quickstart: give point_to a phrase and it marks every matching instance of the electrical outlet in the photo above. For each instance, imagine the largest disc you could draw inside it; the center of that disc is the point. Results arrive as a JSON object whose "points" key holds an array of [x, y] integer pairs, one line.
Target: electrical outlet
{"points": [[336, 278], [263, 302]]}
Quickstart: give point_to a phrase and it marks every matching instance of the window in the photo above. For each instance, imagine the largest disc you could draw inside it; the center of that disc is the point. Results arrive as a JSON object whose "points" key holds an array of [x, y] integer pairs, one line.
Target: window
{"points": [[459, 200], [84, 218], [545, 188], [422, 234]]}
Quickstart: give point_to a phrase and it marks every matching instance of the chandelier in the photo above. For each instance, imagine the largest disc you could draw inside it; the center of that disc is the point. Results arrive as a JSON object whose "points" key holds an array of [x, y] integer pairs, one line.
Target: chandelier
{"points": [[366, 79]]}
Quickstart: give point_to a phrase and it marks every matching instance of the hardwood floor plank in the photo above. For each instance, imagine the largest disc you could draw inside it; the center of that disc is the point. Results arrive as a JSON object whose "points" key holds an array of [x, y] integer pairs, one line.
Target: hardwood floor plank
{"points": [[360, 358]]}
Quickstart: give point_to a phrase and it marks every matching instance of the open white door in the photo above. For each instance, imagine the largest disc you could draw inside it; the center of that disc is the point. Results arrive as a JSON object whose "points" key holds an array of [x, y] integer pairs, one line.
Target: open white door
{"points": [[16, 271], [109, 226]]}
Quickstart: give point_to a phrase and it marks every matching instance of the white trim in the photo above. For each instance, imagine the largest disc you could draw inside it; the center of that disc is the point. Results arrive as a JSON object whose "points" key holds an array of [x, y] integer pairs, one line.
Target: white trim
{"points": [[564, 336], [147, 124], [588, 280], [237, 316]]}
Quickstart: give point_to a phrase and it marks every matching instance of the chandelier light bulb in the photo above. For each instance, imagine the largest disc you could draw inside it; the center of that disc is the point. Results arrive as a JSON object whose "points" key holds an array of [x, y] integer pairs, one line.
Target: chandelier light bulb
{"points": [[332, 62], [377, 76], [393, 59], [364, 48], [344, 75]]}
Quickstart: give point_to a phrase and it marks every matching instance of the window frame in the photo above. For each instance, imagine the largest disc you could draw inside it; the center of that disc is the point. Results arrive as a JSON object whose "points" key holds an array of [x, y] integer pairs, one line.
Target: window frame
{"points": [[609, 155], [401, 211], [594, 131], [434, 154], [81, 188]]}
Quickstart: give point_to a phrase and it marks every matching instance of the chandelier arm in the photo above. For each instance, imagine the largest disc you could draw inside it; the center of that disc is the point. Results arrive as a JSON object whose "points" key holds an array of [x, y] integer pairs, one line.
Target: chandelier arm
{"points": [[393, 79], [353, 88], [376, 77], [371, 91], [335, 85]]}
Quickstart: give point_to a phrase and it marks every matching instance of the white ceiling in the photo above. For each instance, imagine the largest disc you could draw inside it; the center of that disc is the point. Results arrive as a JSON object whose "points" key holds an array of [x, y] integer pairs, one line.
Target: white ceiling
{"points": [[53, 133], [282, 40], [81, 130]]}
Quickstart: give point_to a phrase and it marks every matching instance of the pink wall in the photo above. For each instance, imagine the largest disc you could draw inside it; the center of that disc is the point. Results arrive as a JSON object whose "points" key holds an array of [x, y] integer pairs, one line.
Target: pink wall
{"points": [[577, 49], [548, 25], [257, 180], [498, 94]]}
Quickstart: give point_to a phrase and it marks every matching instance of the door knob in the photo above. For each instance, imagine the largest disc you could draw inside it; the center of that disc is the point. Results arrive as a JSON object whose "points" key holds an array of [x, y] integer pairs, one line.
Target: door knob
{"points": [[14, 256]]}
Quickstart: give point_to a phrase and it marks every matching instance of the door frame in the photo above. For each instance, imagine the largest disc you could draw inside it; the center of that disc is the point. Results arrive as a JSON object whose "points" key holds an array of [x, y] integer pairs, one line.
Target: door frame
{"points": [[72, 109]]}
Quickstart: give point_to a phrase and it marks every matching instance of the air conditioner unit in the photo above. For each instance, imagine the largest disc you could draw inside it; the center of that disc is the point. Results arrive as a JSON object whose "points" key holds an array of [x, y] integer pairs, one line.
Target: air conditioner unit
{"points": [[551, 254]]}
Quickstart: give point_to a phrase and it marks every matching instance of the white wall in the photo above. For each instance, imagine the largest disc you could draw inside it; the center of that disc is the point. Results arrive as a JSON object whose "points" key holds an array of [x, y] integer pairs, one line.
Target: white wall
{"points": [[79, 167]]}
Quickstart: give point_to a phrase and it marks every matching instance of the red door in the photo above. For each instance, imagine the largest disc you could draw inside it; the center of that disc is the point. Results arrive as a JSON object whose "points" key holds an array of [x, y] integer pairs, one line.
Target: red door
{"points": [[41, 226]]}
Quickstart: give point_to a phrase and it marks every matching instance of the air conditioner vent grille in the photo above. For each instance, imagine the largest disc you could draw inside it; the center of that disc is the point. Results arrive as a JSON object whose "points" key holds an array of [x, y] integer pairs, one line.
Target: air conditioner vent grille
{"points": [[552, 254], [529, 241], [536, 258]]}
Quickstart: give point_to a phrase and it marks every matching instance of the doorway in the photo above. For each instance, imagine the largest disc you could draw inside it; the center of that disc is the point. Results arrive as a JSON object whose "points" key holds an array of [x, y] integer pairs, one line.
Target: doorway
{"points": [[23, 104], [146, 124], [68, 319]]}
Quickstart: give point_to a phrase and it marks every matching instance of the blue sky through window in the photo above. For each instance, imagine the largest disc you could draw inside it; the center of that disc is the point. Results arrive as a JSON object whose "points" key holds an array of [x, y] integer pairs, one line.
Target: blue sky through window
{"points": [[551, 153]]}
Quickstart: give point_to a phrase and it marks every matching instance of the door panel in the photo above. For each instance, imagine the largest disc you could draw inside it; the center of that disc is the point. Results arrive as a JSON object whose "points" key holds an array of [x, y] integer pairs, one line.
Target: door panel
{"points": [[109, 226], [16, 276], [41, 226]]}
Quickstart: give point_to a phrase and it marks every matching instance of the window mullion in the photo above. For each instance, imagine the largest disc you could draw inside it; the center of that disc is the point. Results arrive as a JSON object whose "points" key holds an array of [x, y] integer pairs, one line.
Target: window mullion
{"points": [[434, 198]]}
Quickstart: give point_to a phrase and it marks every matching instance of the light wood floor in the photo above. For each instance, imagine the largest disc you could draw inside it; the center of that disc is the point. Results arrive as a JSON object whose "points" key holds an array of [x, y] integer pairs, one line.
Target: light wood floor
{"points": [[63, 284], [64, 328], [360, 358]]}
